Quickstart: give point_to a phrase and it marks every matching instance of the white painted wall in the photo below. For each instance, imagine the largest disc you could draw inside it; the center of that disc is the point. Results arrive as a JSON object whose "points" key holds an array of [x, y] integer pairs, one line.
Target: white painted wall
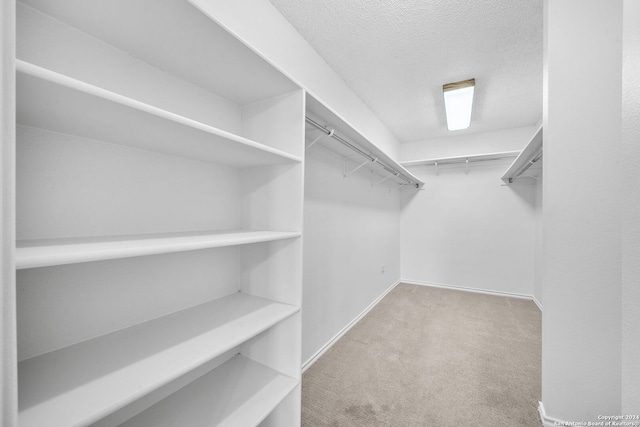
{"points": [[631, 209], [470, 230], [511, 139], [581, 339], [350, 231], [259, 24]]}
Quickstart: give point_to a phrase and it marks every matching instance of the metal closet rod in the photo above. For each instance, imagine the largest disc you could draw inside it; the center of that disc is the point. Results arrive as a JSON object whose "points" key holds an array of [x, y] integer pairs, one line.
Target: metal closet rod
{"points": [[364, 154], [526, 167], [461, 160]]}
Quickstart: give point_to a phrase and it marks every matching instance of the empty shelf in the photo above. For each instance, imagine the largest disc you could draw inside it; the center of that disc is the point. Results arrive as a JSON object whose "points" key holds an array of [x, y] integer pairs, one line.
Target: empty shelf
{"points": [[80, 384], [49, 100], [49, 252], [180, 37], [238, 393]]}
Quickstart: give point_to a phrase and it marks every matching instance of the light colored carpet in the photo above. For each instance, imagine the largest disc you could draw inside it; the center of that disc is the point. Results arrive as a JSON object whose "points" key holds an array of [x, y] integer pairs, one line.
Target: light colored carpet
{"points": [[431, 357]]}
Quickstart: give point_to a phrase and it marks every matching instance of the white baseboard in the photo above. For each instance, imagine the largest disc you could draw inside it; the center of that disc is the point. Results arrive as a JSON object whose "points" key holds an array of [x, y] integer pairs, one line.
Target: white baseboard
{"points": [[548, 421], [538, 303], [306, 365], [476, 290]]}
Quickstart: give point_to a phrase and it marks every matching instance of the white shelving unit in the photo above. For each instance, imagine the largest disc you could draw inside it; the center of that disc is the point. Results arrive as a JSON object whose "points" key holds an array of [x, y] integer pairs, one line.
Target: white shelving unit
{"points": [[530, 155], [159, 193]]}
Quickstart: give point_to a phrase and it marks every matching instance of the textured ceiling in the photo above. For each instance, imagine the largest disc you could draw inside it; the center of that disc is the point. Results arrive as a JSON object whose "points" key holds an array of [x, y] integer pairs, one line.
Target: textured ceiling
{"points": [[397, 54]]}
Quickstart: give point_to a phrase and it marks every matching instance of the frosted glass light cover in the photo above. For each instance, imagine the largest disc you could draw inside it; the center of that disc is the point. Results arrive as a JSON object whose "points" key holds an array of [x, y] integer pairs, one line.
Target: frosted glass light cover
{"points": [[458, 103]]}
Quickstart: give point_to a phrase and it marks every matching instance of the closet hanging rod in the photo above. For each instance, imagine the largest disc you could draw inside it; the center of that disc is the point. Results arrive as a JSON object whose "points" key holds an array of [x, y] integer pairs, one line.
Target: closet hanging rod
{"points": [[458, 161], [332, 134], [471, 158]]}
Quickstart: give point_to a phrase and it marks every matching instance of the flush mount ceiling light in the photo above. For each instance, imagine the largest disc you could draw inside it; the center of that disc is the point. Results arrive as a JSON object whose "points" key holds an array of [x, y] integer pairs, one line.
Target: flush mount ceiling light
{"points": [[458, 99]]}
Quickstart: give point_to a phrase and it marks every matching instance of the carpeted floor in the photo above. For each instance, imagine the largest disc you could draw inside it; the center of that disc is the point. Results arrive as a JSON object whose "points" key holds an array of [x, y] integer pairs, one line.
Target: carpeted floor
{"points": [[431, 357]]}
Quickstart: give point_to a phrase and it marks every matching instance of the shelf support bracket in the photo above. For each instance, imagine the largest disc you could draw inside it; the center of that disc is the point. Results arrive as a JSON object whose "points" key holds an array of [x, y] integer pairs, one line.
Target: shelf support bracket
{"points": [[383, 179], [436, 168], [467, 162], [314, 141], [346, 174]]}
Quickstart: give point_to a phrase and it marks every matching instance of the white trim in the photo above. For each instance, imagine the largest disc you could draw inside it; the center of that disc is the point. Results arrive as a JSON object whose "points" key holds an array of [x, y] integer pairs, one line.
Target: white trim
{"points": [[538, 303], [548, 421], [467, 289], [306, 365]]}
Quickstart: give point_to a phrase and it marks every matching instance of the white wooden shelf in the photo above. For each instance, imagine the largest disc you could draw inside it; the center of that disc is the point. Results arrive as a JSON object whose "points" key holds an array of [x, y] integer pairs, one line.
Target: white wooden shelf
{"points": [[49, 252], [80, 384], [531, 153], [329, 119], [461, 159], [240, 392], [49, 100]]}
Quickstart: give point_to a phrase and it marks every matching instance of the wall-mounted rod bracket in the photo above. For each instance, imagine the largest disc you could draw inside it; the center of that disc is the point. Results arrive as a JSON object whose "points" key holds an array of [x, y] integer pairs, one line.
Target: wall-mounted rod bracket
{"points": [[467, 162], [436, 167], [346, 174], [314, 141], [385, 178]]}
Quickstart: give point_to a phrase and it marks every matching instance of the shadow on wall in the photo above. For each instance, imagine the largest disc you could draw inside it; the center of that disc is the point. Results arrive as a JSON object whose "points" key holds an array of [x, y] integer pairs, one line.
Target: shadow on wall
{"points": [[522, 188]]}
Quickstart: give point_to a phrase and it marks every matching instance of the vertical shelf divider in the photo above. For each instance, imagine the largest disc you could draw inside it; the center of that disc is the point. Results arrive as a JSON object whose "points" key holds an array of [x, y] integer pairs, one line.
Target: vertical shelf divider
{"points": [[8, 357]]}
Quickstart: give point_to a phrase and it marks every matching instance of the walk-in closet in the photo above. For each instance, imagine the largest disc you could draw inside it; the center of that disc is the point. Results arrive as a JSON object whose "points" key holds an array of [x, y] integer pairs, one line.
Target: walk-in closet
{"points": [[267, 213]]}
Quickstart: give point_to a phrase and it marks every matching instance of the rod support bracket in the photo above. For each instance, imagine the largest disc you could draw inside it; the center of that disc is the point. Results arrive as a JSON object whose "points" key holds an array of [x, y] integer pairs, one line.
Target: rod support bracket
{"points": [[346, 174], [314, 141], [383, 179]]}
